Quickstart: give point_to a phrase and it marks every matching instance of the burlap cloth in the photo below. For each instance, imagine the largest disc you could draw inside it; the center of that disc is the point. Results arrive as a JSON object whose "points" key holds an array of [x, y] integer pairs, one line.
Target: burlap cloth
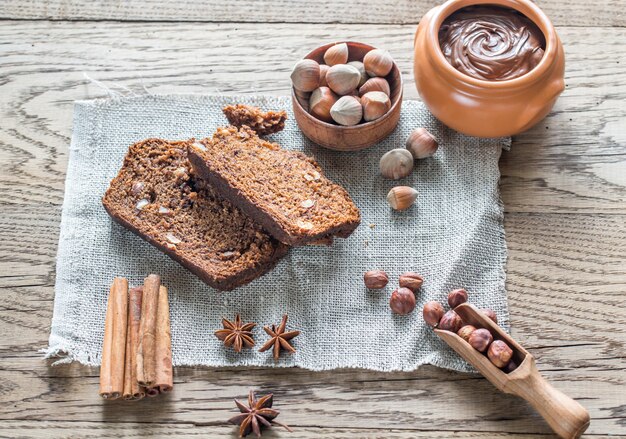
{"points": [[453, 236]]}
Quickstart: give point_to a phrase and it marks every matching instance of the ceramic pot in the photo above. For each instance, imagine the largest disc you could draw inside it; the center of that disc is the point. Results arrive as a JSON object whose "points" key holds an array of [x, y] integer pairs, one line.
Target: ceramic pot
{"points": [[480, 107]]}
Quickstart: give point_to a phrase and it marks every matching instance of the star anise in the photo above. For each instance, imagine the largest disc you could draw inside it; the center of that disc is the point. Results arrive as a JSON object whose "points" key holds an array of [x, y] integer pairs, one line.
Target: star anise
{"points": [[236, 334], [259, 413], [279, 338]]}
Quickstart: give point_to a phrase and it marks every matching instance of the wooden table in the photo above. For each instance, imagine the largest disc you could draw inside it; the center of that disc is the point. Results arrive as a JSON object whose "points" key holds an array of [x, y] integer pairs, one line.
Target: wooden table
{"points": [[563, 186]]}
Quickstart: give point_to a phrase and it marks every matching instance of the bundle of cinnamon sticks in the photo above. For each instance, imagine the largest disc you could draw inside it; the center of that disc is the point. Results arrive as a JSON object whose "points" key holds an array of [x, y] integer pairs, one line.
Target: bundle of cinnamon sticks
{"points": [[137, 351]]}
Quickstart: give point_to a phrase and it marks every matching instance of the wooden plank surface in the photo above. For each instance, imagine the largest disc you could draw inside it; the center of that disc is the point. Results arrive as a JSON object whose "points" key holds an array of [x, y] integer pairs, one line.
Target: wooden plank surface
{"points": [[563, 185], [562, 13]]}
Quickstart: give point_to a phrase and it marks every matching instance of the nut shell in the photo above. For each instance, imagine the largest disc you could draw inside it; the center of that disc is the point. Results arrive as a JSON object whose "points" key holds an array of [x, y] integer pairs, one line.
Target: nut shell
{"points": [[323, 70], [375, 84], [375, 279], [432, 312], [450, 321], [375, 105], [347, 111], [396, 164], [321, 101], [499, 353], [421, 143], [361, 68], [457, 297], [342, 78], [480, 339], [491, 314], [410, 280], [401, 197], [402, 301], [305, 75], [378, 62], [466, 331], [337, 54]]}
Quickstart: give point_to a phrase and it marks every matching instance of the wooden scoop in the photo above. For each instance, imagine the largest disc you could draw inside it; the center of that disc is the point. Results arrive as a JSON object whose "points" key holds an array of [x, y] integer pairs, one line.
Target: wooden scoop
{"points": [[565, 416]]}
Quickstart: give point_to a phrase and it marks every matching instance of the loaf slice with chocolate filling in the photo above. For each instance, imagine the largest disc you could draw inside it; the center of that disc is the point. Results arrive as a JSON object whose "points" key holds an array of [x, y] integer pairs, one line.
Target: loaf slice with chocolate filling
{"points": [[155, 196], [284, 191], [262, 122]]}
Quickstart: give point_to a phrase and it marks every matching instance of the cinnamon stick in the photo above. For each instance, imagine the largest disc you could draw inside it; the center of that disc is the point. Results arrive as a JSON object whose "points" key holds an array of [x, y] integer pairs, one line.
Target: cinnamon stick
{"points": [[164, 378], [151, 392], [146, 353], [114, 343], [132, 390]]}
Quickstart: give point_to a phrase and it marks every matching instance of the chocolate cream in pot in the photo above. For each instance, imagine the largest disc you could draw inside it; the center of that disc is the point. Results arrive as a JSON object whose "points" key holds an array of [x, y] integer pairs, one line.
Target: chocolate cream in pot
{"points": [[491, 43]]}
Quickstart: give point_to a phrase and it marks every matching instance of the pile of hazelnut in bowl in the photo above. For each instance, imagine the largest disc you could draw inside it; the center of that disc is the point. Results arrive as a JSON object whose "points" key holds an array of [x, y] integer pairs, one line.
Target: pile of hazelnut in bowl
{"points": [[347, 95]]}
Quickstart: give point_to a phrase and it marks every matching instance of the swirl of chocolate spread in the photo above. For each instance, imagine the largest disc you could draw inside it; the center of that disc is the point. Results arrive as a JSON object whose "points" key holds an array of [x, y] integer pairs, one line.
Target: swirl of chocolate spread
{"points": [[491, 43]]}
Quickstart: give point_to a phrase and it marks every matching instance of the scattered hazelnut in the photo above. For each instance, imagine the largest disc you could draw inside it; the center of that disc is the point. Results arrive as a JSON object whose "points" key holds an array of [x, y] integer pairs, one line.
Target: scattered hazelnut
{"points": [[320, 103], [306, 75], [433, 312], [359, 66], [401, 197], [347, 111], [342, 78], [466, 331], [337, 54], [510, 367], [375, 105], [323, 70], [499, 353], [396, 164], [457, 297], [378, 62], [375, 279], [402, 301], [450, 322], [491, 314], [410, 280], [421, 143], [480, 339], [375, 84]]}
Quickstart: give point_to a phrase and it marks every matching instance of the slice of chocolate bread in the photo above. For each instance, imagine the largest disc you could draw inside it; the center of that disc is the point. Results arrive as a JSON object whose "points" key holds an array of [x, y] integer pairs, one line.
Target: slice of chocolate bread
{"points": [[155, 196], [282, 190]]}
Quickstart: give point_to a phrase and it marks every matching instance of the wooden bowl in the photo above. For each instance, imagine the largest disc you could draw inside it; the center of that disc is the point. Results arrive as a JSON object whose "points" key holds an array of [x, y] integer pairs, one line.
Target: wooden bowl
{"points": [[357, 137]]}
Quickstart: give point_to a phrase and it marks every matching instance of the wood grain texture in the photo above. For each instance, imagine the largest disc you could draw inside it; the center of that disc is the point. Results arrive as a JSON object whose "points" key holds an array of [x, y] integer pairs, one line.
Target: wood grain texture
{"points": [[571, 13], [564, 189]]}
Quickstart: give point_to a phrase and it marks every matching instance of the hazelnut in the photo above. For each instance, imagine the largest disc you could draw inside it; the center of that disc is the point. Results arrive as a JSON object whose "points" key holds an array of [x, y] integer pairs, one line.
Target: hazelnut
{"points": [[141, 204], [322, 99], [306, 75], [323, 70], [510, 367], [466, 331], [359, 66], [378, 62], [457, 297], [375, 84], [337, 54], [402, 301], [433, 312], [401, 197], [302, 97], [137, 187], [450, 322], [410, 280], [491, 314], [375, 279], [375, 105], [480, 339], [421, 143], [396, 164], [499, 353], [342, 78], [347, 111]]}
